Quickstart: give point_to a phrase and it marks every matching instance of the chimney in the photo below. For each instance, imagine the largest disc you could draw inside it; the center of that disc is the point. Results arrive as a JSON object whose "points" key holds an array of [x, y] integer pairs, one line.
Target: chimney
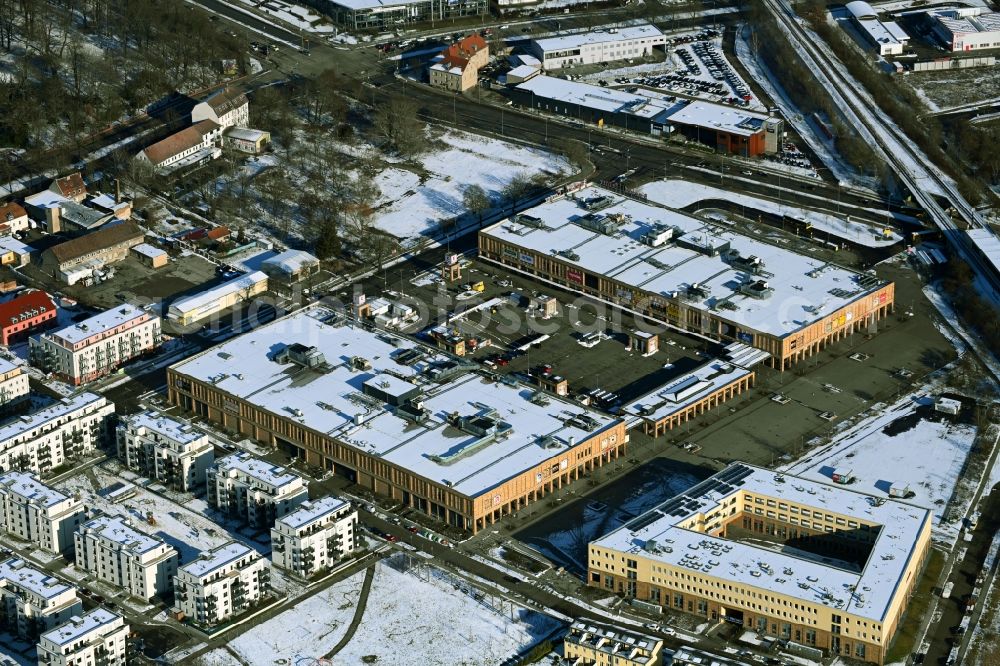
{"points": [[52, 218], [118, 191]]}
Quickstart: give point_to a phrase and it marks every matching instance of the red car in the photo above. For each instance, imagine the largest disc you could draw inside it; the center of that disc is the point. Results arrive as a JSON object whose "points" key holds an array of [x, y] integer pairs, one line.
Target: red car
{"points": [[391, 538]]}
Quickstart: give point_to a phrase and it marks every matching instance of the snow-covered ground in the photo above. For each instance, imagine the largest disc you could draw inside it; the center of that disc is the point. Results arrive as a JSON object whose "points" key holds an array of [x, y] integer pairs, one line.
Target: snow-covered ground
{"points": [[183, 524], [830, 157], [422, 616], [433, 619], [304, 632], [680, 193], [898, 446], [411, 205]]}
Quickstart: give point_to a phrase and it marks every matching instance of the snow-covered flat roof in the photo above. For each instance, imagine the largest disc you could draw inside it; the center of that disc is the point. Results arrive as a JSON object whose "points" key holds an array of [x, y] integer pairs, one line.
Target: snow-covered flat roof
{"points": [[805, 289], [16, 571], [605, 36], [358, 5], [147, 250], [312, 512], [988, 243], [291, 261], [99, 323], [245, 133], [116, 529], [658, 534], [161, 424], [210, 296], [218, 558], [37, 420], [80, 627], [11, 244], [258, 470], [719, 117], [881, 33], [46, 199], [31, 489], [334, 401], [6, 366], [684, 391], [593, 97]]}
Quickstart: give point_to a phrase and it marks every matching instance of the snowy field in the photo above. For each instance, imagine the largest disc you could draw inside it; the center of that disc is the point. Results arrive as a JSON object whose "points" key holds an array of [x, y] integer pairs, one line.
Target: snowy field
{"points": [[304, 632], [898, 444], [423, 616], [183, 524], [680, 193], [412, 205]]}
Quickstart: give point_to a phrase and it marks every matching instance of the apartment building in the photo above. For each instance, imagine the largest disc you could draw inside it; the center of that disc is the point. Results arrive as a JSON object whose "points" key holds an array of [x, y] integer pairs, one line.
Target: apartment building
{"points": [[13, 386], [25, 314], [114, 551], [48, 438], [97, 346], [96, 638], [842, 586], [227, 107], [165, 449], [315, 536], [589, 643], [32, 511], [254, 490], [32, 601], [221, 583]]}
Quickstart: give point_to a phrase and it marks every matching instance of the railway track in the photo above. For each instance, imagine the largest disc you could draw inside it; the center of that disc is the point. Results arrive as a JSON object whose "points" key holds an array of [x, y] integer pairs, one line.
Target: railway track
{"points": [[911, 166]]}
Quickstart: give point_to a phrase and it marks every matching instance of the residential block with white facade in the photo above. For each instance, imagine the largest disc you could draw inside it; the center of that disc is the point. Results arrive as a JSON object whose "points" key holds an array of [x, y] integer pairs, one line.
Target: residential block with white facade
{"points": [[97, 638], [97, 346], [221, 583], [32, 511], [165, 449], [254, 490], [13, 386], [314, 537], [48, 438], [114, 551], [33, 601]]}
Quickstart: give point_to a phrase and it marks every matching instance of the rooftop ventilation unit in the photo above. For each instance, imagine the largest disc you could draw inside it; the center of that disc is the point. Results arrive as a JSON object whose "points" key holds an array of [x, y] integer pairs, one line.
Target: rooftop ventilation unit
{"points": [[759, 289], [658, 235], [697, 290], [303, 356], [710, 246], [530, 221], [569, 254], [752, 264], [596, 203], [602, 224]]}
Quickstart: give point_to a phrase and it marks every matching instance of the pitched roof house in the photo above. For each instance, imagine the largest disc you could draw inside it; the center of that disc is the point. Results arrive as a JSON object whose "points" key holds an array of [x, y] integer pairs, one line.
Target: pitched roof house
{"points": [[457, 67]]}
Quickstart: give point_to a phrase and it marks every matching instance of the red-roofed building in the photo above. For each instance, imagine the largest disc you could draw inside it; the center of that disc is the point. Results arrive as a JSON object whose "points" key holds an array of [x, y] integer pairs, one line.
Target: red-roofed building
{"points": [[71, 187], [25, 314], [192, 145], [457, 67]]}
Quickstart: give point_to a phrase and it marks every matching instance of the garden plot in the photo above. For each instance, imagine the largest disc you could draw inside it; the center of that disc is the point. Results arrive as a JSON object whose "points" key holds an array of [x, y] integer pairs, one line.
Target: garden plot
{"points": [[434, 618], [906, 444], [304, 632], [184, 525], [412, 205], [680, 194]]}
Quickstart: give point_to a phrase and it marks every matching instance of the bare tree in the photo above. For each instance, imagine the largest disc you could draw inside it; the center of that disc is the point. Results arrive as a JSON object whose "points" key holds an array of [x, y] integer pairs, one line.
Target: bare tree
{"points": [[516, 189], [476, 201]]}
